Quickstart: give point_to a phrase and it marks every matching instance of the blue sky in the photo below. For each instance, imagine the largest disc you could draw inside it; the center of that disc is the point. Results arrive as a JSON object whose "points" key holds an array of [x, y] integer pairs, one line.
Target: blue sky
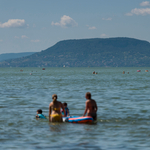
{"points": [[35, 25]]}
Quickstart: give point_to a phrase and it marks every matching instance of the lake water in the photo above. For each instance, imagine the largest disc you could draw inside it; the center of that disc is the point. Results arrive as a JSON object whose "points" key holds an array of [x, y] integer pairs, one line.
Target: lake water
{"points": [[123, 108]]}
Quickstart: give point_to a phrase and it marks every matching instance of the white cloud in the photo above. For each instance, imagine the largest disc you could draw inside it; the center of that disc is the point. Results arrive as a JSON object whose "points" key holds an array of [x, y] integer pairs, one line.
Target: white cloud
{"points": [[103, 35], [35, 41], [65, 22], [139, 11], [91, 28], [107, 19], [16, 37], [13, 23], [146, 3], [24, 37], [129, 14]]}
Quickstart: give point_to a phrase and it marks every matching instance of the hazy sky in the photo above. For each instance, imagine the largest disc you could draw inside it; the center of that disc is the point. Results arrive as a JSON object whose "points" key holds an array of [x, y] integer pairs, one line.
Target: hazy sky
{"points": [[35, 25]]}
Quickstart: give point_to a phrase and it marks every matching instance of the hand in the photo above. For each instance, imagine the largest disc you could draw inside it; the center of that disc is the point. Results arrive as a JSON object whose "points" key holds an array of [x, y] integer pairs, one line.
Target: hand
{"points": [[37, 116]]}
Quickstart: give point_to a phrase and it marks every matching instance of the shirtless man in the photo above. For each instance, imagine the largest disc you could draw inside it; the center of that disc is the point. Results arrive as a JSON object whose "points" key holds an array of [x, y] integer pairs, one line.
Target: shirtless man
{"points": [[91, 106]]}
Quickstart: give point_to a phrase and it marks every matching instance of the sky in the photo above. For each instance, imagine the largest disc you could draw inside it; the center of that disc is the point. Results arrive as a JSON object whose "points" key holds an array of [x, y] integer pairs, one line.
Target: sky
{"points": [[35, 25]]}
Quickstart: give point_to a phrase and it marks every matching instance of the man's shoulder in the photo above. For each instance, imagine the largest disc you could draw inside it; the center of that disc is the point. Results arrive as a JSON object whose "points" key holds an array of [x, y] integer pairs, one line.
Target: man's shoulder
{"points": [[93, 100], [90, 101]]}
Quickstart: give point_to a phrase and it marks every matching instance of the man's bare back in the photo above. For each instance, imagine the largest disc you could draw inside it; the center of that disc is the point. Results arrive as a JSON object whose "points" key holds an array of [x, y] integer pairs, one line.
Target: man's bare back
{"points": [[91, 106]]}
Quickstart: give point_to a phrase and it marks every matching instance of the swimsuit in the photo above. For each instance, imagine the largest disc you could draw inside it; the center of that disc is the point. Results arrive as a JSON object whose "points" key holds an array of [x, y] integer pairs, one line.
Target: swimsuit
{"points": [[66, 110], [56, 109], [41, 116], [56, 117], [93, 115]]}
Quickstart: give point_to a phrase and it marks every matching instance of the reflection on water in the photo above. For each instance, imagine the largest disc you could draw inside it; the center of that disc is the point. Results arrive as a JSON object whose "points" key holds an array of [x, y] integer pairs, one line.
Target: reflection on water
{"points": [[123, 108], [56, 127]]}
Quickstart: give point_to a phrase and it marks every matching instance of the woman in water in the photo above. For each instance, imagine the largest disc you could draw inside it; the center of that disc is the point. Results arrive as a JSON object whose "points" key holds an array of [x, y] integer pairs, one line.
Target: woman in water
{"points": [[54, 110]]}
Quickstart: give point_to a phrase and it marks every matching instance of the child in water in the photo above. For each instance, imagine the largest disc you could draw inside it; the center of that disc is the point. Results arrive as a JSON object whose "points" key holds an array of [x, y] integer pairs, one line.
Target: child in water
{"points": [[39, 114], [66, 109]]}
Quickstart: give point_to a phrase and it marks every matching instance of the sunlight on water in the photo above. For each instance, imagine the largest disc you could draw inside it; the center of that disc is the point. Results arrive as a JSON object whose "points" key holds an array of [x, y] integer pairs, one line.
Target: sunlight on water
{"points": [[123, 108]]}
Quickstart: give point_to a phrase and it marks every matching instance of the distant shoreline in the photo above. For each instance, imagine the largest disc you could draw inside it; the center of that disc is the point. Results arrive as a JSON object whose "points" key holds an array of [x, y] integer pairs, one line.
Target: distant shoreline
{"points": [[95, 52]]}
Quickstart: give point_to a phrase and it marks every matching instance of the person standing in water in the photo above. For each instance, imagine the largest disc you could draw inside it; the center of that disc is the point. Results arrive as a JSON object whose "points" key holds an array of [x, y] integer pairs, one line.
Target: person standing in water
{"points": [[91, 106], [54, 110]]}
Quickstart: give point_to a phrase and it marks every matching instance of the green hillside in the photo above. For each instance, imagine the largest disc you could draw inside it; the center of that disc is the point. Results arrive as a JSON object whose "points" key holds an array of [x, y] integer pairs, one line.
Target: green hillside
{"points": [[111, 52]]}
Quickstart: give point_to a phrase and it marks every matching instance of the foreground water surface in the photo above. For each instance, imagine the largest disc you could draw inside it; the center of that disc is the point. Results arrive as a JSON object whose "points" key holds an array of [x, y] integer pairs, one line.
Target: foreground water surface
{"points": [[123, 108]]}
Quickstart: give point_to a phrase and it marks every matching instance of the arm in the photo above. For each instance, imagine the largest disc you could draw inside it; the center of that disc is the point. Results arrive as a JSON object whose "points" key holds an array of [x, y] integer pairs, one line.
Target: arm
{"points": [[49, 112], [86, 108], [96, 108], [68, 112], [37, 116], [62, 106]]}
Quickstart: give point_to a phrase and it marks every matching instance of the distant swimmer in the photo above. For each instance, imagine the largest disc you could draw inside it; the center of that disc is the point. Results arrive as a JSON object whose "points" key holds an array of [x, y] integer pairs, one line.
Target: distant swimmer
{"points": [[55, 110], [91, 106], [93, 72]]}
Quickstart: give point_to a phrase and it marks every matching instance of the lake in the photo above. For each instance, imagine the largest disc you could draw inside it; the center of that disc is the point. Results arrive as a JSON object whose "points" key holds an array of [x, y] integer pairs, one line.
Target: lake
{"points": [[123, 108]]}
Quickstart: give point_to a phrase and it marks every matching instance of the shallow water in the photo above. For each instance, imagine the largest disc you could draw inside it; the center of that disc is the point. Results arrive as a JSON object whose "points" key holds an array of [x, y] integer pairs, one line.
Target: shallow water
{"points": [[123, 108]]}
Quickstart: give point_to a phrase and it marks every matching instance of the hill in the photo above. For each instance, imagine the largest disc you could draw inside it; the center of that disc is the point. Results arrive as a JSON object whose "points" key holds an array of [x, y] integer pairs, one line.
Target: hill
{"points": [[7, 56], [110, 52]]}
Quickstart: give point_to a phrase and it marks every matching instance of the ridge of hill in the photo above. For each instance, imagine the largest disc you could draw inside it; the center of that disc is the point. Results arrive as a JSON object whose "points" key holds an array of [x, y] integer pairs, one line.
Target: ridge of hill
{"points": [[7, 56], [97, 52]]}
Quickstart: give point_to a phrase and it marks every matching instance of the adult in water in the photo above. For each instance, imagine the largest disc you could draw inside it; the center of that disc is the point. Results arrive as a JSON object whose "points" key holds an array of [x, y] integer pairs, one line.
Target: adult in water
{"points": [[91, 106], [54, 110]]}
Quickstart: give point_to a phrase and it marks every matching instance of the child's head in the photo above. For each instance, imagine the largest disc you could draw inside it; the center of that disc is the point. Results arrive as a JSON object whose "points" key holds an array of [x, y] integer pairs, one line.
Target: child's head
{"points": [[39, 111], [65, 105]]}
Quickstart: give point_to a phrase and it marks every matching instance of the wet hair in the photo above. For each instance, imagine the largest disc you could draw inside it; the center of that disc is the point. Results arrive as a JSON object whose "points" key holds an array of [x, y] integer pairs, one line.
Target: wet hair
{"points": [[65, 104], [54, 97], [39, 111], [88, 95]]}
